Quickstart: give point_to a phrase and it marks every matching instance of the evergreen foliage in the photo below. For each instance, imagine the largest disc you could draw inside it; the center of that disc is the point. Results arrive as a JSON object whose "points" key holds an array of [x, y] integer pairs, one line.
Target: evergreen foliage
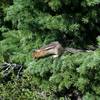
{"points": [[26, 25]]}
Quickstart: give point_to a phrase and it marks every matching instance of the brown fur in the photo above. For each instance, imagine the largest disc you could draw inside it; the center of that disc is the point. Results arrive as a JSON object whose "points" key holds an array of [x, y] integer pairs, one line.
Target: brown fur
{"points": [[38, 54]]}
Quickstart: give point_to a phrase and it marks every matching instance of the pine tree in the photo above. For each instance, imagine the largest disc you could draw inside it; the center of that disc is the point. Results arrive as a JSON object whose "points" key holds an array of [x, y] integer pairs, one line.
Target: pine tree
{"points": [[26, 25]]}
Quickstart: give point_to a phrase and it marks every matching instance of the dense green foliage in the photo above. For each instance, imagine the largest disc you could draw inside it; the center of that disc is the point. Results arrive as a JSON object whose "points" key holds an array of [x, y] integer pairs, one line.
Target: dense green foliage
{"points": [[26, 25]]}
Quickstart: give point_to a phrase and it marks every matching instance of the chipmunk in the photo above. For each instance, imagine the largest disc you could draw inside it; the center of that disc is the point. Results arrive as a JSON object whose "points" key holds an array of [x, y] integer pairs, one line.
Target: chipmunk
{"points": [[55, 49]]}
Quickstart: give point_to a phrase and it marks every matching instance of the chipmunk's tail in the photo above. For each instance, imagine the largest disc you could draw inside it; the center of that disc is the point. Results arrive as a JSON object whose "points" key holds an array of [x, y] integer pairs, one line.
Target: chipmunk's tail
{"points": [[72, 50]]}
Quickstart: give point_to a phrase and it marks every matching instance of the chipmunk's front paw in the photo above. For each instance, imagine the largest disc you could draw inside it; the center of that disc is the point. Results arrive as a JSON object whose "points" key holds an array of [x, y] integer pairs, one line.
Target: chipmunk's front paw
{"points": [[55, 56]]}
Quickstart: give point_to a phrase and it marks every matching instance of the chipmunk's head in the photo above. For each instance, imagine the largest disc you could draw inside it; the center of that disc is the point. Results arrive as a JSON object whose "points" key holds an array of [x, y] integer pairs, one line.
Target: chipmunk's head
{"points": [[39, 53]]}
